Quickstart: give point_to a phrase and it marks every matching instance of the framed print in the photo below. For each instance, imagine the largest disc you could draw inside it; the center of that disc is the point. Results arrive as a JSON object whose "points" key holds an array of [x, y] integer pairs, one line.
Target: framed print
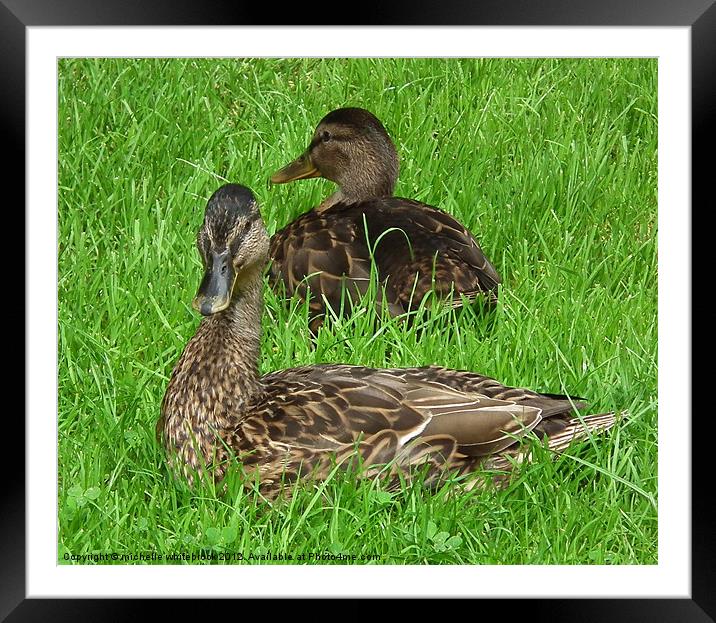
{"points": [[560, 138]]}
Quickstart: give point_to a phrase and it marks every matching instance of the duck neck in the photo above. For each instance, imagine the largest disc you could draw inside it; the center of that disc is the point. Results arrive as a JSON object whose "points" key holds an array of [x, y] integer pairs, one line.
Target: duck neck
{"points": [[372, 179], [240, 328], [214, 383]]}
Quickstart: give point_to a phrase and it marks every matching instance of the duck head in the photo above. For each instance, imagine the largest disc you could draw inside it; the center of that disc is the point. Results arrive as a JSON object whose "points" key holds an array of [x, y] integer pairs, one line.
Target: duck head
{"points": [[233, 244], [350, 147]]}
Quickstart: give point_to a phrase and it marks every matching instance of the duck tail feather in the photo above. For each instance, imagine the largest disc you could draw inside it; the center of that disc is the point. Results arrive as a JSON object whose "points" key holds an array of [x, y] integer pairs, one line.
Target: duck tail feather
{"points": [[574, 429]]}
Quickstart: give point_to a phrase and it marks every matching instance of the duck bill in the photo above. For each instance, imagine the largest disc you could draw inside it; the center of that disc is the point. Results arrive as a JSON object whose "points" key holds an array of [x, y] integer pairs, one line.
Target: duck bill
{"points": [[300, 169], [214, 294]]}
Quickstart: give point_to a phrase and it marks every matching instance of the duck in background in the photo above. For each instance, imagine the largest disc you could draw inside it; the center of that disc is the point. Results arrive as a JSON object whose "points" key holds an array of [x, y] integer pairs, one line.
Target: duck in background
{"points": [[417, 248]]}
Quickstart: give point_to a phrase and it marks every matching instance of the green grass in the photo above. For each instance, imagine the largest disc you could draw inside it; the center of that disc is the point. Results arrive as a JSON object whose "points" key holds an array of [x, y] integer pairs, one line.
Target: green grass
{"points": [[551, 162]]}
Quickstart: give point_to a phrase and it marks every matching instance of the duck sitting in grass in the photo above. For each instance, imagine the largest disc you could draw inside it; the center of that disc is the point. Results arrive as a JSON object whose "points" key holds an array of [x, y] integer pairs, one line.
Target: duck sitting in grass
{"points": [[417, 248], [301, 422]]}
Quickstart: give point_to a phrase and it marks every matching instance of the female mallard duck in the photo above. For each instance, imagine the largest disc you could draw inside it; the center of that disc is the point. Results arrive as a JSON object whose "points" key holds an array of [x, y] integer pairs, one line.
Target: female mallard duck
{"points": [[416, 247], [298, 422]]}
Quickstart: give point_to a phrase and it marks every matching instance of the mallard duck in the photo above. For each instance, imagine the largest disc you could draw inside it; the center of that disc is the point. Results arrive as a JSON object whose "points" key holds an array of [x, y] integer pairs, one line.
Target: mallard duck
{"points": [[417, 248], [300, 422]]}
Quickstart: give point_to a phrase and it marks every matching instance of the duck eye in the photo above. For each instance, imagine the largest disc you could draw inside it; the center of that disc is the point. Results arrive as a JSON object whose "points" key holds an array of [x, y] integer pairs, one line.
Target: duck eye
{"points": [[325, 136]]}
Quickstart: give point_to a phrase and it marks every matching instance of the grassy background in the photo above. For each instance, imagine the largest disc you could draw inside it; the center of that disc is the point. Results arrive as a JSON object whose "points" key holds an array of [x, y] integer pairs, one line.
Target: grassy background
{"points": [[551, 162]]}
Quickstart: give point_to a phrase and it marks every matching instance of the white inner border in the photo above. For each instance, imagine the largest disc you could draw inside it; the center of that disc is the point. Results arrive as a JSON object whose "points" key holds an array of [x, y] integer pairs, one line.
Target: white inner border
{"points": [[670, 578]]}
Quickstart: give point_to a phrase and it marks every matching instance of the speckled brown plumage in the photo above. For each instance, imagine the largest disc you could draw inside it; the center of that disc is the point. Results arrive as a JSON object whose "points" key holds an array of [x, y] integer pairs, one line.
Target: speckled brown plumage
{"points": [[301, 422], [416, 247]]}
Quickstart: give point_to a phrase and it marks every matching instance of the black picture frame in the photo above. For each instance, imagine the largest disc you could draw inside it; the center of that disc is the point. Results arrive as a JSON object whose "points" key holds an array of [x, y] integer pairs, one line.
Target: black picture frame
{"points": [[700, 15]]}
